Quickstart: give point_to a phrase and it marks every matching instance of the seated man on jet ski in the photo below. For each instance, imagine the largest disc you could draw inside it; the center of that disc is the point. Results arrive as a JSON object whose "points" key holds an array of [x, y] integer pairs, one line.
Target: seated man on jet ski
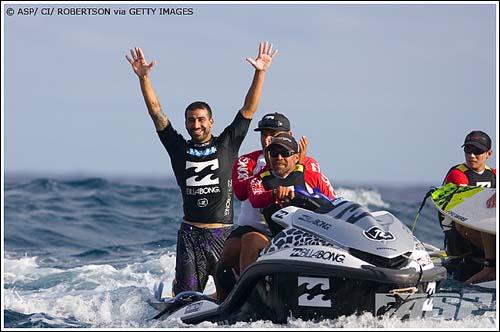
{"points": [[253, 230], [273, 188], [267, 188]]}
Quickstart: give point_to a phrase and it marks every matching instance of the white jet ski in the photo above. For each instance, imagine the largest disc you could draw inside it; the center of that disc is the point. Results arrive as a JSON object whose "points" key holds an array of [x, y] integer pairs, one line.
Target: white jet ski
{"points": [[329, 258]]}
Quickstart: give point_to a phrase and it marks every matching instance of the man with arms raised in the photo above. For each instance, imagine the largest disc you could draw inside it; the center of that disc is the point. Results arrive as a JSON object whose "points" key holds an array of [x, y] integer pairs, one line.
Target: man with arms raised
{"points": [[202, 167]]}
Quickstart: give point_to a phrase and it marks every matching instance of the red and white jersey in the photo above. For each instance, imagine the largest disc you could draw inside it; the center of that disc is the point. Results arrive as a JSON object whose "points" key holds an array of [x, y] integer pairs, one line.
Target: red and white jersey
{"points": [[260, 197], [244, 169]]}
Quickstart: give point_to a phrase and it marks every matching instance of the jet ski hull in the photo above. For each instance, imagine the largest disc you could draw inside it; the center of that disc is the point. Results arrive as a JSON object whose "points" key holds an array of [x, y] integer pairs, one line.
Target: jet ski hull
{"points": [[313, 293], [325, 265], [277, 289]]}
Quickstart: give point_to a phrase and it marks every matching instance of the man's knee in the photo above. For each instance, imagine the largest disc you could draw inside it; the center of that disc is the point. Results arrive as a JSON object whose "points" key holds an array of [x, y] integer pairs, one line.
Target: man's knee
{"points": [[254, 241], [471, 235], [251, 244], [231, 252], [224, 280]]}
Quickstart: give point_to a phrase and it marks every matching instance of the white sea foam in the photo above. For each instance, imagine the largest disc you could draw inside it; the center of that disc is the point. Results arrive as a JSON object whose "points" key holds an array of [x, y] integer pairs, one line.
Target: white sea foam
{"points": [[362, 196], [364, 321], [24, 270], [100, 295], [103, 296]]}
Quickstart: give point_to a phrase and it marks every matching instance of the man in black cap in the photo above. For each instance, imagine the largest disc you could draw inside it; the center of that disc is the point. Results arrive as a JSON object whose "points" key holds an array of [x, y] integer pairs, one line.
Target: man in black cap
{"points": [[252, 163], [275, 187], [253, 232], [460, 240]]}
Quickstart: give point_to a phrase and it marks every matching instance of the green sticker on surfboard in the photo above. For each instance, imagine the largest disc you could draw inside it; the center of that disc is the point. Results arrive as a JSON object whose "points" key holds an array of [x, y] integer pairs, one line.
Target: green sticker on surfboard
{"points": [[466, 205]]}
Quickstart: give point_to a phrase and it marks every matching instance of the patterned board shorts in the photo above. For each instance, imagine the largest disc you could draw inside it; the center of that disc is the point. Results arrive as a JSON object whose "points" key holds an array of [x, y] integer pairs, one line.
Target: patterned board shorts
{"points": [[198, 251]]}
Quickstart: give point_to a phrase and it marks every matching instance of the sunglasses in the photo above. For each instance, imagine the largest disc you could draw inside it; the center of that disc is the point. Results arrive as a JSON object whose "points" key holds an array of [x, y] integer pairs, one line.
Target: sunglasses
{"points": [[473, 150], [283, 153]]}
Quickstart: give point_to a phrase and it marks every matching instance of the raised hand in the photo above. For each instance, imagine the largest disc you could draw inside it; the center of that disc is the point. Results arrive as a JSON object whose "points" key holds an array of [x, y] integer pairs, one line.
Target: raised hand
{"points": [[302, 149], [264, 57], [139, 64]]}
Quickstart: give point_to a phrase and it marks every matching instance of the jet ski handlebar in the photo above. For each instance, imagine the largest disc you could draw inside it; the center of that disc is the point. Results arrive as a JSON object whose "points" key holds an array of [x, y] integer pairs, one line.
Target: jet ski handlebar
{"points": [[315, 201]]}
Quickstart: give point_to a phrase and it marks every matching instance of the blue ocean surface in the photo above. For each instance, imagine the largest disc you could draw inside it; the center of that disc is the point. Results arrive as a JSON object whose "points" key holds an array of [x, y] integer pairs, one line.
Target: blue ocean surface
{"points": [[86, 252]]}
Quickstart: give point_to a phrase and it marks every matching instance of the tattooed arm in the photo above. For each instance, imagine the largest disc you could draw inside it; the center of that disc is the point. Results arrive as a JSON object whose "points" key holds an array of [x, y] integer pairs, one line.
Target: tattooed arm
{"points": [[142, 69]]}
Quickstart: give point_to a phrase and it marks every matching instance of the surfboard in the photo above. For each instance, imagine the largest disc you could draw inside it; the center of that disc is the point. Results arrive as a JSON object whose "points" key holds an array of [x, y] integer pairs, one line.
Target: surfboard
{"points": [[466, 205]]}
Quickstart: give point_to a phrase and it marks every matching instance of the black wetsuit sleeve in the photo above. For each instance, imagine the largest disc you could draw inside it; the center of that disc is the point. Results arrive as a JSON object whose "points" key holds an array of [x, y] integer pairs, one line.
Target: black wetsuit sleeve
{"points": [[233, 135], [173, 142], [176, 147]]}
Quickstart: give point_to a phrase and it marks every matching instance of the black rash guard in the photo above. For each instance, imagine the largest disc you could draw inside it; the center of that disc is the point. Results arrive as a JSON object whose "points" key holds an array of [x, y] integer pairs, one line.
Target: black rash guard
{"points": [[269, 181], [203, 171], [462, 175]]}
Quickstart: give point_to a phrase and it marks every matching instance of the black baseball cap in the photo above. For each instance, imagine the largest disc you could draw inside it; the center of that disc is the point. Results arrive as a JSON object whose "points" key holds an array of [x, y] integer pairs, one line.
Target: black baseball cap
{"points": [[284, 140], [274, 121], [479, 139]]}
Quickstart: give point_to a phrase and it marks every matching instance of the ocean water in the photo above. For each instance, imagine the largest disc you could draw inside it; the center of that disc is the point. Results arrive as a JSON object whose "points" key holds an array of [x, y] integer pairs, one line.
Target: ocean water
{"points": [[86, 252]]}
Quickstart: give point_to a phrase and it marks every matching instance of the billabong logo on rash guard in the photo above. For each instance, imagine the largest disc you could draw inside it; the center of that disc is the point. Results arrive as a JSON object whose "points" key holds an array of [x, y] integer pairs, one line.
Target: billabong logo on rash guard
{"points": [[201, 173]]}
